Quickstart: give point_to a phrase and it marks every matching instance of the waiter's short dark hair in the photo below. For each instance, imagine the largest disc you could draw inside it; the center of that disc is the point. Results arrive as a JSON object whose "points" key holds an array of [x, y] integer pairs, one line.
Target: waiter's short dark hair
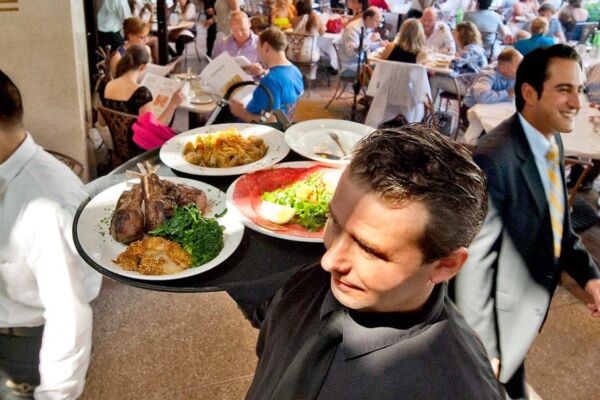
{"points": [[534, 69], [11, 105], [416, 163]]}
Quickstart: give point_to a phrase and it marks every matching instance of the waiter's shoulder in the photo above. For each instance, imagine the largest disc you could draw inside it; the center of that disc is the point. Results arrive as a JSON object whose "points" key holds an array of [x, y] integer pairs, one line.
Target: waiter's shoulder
{"points": [[499, 142]]}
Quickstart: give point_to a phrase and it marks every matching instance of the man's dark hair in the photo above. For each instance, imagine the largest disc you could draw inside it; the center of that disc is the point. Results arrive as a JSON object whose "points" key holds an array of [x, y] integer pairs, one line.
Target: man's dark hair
{"points": [[484, 4], [416, 163], [534, 69], [370, 12], [11, 105], [546, 7]]}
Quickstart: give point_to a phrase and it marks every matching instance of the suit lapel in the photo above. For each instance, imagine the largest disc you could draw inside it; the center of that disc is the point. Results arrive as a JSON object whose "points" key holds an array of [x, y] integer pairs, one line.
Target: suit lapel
{"points": [[528, 167]]}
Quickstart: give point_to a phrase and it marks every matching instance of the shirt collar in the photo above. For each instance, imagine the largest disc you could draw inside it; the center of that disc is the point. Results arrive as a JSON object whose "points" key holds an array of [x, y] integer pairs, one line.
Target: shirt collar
{"points": [[537, 141], [15, 163], [251, 41], [365, 332]]}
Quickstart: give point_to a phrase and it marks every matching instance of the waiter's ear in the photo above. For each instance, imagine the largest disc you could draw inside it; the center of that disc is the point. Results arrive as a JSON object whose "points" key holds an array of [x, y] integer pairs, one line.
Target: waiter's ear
{"points": [[530, 95], [449, 266]]}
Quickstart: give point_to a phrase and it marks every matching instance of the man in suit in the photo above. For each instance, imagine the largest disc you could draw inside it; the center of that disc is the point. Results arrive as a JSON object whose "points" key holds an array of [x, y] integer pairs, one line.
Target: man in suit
{"points": [[505, 288]]}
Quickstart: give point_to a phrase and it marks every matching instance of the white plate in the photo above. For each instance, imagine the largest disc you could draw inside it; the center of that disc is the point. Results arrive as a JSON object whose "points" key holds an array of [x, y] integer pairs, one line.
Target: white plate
{"points": [[171, 152], [98, 247], [250, 224], [310, 137]]}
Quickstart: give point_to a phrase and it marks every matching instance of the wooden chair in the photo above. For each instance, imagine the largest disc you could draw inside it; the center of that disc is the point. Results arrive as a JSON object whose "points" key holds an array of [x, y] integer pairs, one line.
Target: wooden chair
{"points": [[70, 162], [119, 125], [259, 23], [302, 51], [586, 165]]}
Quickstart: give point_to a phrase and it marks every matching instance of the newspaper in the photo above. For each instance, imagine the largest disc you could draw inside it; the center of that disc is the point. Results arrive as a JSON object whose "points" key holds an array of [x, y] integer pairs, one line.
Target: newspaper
{"points": [[222, 72], [162, 90], [160, 70]]}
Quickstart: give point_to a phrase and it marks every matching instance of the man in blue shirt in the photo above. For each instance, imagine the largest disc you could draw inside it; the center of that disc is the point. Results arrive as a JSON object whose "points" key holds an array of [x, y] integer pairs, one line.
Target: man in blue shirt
{"points": [[539, 28], [283, 80], [497, 86], [555, 31]]}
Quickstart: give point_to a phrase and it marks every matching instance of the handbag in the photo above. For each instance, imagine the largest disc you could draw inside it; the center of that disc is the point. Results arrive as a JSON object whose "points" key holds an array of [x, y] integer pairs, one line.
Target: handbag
{"points": [[334, 25], [149, 133]]}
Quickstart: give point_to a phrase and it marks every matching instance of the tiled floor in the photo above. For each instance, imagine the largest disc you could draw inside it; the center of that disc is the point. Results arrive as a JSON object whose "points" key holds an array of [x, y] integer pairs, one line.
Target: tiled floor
{"points": [[152, 345]]}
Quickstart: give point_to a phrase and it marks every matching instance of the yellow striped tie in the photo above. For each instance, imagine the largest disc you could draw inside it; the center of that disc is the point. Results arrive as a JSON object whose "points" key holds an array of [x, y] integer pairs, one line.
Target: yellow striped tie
{"points": [[555, 198]]}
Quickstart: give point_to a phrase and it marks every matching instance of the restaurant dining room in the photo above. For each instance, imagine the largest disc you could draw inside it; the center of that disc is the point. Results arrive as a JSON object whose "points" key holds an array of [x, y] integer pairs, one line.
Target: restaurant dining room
{"points": [[299, 199]]}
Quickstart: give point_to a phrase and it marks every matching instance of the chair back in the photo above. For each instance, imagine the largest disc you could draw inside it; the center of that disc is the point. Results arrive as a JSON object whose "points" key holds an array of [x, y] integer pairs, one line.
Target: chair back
{"points": [[259, 23], [345, 73], [119, 124], [389, 85], [70, 162], [302, 49]]}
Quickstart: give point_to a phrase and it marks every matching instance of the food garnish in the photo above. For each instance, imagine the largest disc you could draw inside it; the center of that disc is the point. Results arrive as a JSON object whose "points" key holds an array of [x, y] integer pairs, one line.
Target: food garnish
{"points": [[154, 256], [200, 236], [224, 149], [309, 198]]}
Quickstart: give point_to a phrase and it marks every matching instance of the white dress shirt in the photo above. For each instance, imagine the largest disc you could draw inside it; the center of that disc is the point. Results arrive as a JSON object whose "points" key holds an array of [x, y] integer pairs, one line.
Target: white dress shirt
{"points": [[441, 39], [112, 14], [42, 278], [350, 41]]}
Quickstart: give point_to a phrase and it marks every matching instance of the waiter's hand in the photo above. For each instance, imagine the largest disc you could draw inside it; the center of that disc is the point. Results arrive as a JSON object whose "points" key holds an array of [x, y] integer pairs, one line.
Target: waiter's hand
{"points": [[254, 69], [495, 366], [593, 288], [236, 108]]}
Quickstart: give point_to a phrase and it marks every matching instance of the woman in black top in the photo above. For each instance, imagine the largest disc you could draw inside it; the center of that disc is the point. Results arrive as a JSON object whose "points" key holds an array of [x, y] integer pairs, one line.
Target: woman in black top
{"points": [[409, 44], [125, 94]]}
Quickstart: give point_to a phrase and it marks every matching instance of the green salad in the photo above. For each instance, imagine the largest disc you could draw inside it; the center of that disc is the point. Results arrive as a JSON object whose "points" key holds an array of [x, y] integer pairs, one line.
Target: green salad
{"points": [[201, 237], [310, 199]]}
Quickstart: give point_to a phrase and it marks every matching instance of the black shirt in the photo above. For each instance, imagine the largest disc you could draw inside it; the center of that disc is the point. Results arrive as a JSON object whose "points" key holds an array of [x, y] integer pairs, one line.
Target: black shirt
{"points": [[402, 56], [430, 354]]}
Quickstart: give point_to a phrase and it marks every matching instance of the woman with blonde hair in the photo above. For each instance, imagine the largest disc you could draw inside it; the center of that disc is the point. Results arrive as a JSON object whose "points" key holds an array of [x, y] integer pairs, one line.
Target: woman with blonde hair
{"points": [[469, 61], [408, 45], [471, 55]]}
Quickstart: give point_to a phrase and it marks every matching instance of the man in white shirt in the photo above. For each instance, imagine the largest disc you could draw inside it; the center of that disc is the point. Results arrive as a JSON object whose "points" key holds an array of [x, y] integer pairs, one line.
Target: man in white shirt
{"points": [[110, 22], [349, 43], [45, 318], [438, 35]]}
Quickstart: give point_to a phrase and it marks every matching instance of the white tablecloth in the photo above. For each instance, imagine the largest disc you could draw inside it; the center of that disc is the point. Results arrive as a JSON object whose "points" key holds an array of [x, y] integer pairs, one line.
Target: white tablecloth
{"points": [[582, 142]]}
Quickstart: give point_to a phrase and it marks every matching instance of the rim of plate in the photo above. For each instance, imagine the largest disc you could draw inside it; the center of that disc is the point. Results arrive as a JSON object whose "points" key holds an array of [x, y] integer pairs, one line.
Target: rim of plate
{"points": [[96, 252], [170, 152], [249, 224], [297, 130]]}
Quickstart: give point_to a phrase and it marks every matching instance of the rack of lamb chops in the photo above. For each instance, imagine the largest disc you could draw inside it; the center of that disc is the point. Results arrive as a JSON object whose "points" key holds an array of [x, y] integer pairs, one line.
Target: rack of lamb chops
{"points": [[150, 203]]}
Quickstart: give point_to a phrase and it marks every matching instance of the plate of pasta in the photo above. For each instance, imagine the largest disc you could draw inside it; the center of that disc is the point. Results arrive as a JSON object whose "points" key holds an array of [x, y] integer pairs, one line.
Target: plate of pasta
{"points": [[224, 149]]}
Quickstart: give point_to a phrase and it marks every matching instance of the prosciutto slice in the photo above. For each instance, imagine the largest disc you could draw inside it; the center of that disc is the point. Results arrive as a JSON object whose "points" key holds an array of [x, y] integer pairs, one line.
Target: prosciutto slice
{"points": [[249, 188]]}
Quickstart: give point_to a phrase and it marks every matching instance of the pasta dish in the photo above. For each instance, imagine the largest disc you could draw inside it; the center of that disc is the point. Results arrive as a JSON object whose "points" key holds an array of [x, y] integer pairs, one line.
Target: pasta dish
{"points": [[224, 149]]}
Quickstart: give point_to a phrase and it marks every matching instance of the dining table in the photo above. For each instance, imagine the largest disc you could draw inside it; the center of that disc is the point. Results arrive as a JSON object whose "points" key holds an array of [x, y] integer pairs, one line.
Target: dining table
{"points": [[583, 141], [251, 275]]}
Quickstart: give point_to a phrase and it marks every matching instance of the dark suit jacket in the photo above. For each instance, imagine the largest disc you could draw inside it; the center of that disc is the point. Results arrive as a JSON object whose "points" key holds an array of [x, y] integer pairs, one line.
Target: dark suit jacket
{"points": [[504, 289]]}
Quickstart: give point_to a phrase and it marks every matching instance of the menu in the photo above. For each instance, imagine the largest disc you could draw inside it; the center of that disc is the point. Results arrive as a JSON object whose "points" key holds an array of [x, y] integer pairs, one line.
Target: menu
{"points": [[162, 90], [224, 71]]}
